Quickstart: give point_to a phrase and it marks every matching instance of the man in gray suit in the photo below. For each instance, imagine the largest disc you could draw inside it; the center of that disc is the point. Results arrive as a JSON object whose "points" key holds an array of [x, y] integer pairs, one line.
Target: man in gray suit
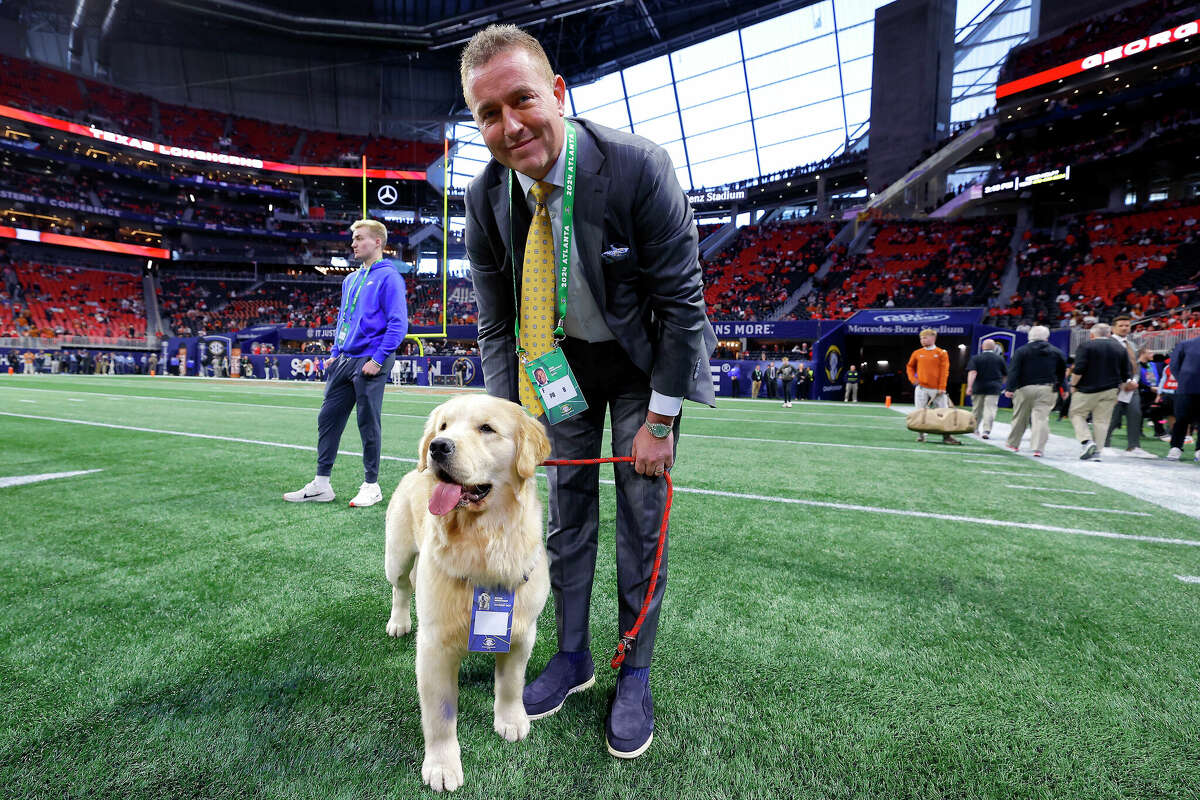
{"points": [[635, 333]]}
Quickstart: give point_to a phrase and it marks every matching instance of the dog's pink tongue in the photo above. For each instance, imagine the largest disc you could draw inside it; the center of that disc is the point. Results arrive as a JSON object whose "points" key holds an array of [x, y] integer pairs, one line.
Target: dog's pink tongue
{"points": [[444, 498]]}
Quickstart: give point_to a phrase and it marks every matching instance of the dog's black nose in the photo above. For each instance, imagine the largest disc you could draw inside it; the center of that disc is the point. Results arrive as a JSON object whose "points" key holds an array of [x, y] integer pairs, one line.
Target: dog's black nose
{"points": [[441, 449]]}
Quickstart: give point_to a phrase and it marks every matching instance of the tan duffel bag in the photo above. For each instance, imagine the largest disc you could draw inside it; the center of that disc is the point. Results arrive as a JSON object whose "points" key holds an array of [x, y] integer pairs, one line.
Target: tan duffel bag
{"points": [[941, 420]]}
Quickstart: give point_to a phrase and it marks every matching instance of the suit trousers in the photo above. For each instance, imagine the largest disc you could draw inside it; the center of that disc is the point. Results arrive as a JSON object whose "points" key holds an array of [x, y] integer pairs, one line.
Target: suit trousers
{"points": [[1187, 413], [1131, 412], [850, 395], [346, 387], [1034, 403], [983, 408], [1100, 406], [610, 383], [755, 386]]}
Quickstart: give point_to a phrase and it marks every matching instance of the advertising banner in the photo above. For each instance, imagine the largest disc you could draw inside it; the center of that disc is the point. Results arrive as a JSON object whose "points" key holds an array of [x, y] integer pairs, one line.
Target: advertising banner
{"points": [[890, 321]]}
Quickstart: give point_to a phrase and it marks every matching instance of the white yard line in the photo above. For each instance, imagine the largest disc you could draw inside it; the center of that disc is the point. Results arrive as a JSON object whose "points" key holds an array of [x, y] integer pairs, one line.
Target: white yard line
{"points": [[1156, 482], [1189, 578], [1047, 489], [949, 517], [308, 409], [686, 434], [21, 480], [1099, 510], [929, 451], [681, 489], [191, 435]]}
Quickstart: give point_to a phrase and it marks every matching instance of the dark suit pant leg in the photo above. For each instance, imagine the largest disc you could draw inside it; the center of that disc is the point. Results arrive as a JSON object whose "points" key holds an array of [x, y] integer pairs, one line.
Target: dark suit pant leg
{"points": [[640, 503], [1187, 408], [574, 521], [335, 410], [368, 394]]}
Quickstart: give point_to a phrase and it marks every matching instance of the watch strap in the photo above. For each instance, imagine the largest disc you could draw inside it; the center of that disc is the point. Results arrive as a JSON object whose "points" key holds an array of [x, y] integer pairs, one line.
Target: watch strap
{"points": [[658, 430]]}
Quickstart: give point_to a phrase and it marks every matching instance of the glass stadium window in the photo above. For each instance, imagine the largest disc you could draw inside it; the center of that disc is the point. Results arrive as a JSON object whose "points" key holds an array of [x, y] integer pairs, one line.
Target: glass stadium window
{"points": [[602, 101], [704, 57], [788, 91], [985, 30]]}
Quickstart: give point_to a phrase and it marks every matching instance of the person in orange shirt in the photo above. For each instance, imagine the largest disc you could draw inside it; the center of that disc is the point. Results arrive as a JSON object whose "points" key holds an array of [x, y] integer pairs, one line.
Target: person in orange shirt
{"points": [[928, 371]]}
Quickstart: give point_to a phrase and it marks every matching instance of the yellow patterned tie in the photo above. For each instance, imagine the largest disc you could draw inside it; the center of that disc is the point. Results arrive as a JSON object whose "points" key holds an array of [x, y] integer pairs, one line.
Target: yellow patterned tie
{"points": [[537, 292]]}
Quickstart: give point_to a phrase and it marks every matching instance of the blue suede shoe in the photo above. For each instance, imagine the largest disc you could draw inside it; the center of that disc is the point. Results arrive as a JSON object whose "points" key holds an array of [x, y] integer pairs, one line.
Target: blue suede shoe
{"points": [[629, 727], [566, 674]]}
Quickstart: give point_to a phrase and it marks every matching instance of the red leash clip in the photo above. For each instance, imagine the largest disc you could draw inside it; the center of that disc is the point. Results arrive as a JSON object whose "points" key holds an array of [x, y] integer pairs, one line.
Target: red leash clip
{"points": [[627, 639]]}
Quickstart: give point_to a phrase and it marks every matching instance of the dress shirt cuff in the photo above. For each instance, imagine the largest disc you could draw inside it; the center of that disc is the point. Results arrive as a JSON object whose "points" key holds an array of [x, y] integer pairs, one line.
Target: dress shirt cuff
{"points": [[667, 406]]}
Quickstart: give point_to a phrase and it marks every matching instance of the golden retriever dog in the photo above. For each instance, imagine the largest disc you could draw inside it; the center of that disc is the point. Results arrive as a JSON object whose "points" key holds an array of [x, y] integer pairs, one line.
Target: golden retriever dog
{"points": [[469, 516]]}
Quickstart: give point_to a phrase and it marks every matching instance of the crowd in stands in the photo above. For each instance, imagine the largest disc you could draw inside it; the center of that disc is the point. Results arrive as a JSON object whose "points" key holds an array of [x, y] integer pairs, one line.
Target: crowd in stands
{"points": [[425, 300], [193, 307], [757, 273], [917, 264], [47, 301], [1160, 130], [1094, 35], [1107, 263], [35, 87]]}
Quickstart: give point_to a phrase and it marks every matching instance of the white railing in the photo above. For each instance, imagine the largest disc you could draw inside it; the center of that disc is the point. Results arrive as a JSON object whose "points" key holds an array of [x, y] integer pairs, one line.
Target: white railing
{"points": [[116, 342], [1164, 341]]}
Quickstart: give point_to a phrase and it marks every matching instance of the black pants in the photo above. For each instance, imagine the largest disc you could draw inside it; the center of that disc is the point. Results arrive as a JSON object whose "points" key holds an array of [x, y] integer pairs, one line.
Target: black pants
{"points": [[611, 383], [1187, 412], [346, 387], [787, 391]]}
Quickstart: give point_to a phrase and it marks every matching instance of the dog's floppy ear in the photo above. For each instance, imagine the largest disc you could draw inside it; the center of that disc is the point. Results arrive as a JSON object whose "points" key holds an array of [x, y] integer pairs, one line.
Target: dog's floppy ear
{"points": [[533, 446], [431, 426]]}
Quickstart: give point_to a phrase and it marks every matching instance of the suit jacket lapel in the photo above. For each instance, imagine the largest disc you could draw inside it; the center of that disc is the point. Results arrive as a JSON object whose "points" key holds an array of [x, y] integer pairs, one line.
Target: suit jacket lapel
{"points": [[591, 198]]}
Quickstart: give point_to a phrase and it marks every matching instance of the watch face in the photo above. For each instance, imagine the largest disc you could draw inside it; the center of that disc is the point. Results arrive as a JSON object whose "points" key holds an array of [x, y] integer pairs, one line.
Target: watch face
{"points": [[658, 430]]}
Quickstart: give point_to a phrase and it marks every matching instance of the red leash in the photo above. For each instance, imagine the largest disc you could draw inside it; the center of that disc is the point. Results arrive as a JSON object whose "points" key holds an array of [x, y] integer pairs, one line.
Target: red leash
{"points": [[629, 636]]}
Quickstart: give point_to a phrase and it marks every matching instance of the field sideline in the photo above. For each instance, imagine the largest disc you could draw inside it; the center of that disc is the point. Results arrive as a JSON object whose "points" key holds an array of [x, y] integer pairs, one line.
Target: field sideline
{"points": [[849, 614]]}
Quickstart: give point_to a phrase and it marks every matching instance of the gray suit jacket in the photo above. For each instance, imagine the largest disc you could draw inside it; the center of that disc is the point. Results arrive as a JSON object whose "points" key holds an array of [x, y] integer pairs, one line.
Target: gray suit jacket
{"points": [[637, 244]]}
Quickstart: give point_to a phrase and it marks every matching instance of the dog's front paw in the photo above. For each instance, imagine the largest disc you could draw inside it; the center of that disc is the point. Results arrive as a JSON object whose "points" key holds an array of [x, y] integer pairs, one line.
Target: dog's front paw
{"points": [[399, 626], [442, 769], [511, 723]]}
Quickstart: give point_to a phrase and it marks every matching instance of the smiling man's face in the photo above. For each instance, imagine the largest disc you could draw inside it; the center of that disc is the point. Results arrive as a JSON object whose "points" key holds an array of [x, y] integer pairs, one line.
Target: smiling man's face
{"points": [[519, 112]]}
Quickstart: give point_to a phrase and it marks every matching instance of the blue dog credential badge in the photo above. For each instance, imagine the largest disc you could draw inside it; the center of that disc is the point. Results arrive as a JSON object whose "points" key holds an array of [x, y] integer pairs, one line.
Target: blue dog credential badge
{"points": [[491, 620]]}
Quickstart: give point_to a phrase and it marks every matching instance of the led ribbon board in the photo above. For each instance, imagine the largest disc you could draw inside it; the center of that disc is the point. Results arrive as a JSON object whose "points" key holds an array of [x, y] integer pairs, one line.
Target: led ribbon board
{"points": [[223, 159], [27, 235], [1178, 33]]}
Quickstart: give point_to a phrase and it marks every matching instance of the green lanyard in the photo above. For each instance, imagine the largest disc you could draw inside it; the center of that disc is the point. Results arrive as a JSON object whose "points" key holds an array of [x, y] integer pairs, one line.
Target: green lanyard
{"points": [[348, 314], [564, 250]]}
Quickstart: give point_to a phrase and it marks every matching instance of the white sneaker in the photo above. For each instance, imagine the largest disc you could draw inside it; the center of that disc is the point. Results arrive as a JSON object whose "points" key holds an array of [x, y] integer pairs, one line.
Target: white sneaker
{"points": [[1108, 452], [1137, 452], [311, 493], [1174, 454], [368, 495]]}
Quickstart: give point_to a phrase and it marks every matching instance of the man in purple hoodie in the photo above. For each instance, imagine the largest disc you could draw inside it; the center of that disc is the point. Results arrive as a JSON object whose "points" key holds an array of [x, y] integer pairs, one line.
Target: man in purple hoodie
{"points": [[372, 322]]}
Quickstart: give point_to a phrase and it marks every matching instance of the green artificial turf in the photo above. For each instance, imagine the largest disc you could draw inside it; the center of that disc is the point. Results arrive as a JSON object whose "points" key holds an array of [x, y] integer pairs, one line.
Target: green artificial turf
{"points": [[172, 628]]}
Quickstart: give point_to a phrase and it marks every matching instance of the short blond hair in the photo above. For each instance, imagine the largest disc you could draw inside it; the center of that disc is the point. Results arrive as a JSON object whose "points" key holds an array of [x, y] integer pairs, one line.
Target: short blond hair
{"points": [[491, 42], [930, 331], [374, 227]]}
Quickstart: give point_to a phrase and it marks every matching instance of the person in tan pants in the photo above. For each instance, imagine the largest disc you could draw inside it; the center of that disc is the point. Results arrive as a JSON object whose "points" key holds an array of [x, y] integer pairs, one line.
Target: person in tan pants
{"points": [[1036, 371]]}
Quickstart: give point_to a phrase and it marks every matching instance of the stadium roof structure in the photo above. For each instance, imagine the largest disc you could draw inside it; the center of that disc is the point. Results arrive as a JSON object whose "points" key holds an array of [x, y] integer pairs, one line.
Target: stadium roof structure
{"points": [[583, 37]]}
